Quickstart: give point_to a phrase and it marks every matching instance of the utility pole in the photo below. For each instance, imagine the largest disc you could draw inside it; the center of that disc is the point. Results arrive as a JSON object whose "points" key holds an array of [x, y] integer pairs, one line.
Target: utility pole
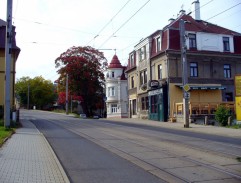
{"points": [[185, 85], [66, 104], [28, 95], [8, 58]]}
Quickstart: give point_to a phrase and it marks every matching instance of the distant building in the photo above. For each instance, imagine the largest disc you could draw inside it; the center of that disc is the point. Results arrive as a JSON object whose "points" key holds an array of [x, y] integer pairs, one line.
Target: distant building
{"points": [[15, 52], [116, 90]]}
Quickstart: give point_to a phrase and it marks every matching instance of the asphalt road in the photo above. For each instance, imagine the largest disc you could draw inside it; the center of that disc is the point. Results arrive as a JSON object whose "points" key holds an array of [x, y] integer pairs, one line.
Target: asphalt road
{"points": [[106, 151], [86, 162]]}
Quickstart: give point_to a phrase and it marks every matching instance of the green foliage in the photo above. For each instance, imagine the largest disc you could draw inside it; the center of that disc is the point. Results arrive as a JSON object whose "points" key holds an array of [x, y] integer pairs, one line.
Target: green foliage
{"points": [[222, 114], [236, 126], [41, 91]]}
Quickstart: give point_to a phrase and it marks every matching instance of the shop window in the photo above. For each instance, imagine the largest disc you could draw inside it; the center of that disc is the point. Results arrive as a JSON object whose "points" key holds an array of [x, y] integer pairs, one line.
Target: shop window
{"points": [[113, 108], [154, 102], [193, 69], [227, 70]]}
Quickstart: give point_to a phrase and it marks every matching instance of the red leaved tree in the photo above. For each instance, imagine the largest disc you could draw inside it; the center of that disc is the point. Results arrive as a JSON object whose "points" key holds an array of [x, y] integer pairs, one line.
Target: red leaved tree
{"points": [[84, 66]]}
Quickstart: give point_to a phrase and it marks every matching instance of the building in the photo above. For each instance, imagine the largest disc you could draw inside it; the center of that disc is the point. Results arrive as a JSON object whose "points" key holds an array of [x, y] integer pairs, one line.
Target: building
{"points": [[116, 90], [213, 56], [15, 52]]}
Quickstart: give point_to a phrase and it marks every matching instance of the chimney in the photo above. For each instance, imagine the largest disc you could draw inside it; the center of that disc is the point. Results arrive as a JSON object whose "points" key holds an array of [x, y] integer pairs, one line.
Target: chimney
{"points": [[196, 10]]}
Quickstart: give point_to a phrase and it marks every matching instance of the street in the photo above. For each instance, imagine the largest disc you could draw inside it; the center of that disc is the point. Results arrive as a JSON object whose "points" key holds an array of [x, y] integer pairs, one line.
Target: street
{"points": [[100, 150]]}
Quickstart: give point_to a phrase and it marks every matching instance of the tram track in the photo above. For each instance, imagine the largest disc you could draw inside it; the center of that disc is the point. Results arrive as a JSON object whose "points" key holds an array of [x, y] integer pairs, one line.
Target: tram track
{"points": [[127, 136]]}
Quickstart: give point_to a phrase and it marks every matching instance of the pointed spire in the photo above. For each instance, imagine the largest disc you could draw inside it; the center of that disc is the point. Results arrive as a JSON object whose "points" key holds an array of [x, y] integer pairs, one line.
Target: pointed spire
{"points": [[115, 63]]}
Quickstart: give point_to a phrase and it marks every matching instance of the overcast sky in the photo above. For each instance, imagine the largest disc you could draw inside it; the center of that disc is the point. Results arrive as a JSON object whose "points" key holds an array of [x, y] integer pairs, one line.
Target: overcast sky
{"points": [[47, 28]]}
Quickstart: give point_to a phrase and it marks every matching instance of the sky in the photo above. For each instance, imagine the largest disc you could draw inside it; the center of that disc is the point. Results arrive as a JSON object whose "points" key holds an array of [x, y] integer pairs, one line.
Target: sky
{"points": [[47, 28]]}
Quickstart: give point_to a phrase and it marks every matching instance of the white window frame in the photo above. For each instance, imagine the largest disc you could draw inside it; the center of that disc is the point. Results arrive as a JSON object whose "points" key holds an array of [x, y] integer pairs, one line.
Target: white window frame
{"points": [[113, 108], [158, 44], [111, 91]]}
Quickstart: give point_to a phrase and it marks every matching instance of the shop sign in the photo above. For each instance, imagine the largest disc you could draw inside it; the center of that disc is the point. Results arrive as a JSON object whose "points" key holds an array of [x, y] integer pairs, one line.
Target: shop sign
{"points": [[238, 108], [155, 92], [154, 83], [238, 85]]}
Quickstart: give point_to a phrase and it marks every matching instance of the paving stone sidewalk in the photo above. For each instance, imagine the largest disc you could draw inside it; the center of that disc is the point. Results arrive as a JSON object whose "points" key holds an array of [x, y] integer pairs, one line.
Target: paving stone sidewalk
{"points": [[27, 157]]}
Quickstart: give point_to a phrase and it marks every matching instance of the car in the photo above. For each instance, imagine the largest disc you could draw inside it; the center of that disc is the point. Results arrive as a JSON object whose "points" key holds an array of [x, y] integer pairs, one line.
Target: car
{"points": [[83, 116], [96, 117]]}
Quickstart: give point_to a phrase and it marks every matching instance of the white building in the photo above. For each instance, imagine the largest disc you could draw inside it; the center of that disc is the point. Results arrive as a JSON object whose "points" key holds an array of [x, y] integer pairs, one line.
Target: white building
{"points": [[116, 90]]}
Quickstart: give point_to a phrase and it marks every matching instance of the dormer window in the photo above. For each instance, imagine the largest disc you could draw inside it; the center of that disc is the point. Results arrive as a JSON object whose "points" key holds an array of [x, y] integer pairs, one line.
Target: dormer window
{"points": [[142, 53], [226, 45], [192, 41], [158, 44], [132, 61]]}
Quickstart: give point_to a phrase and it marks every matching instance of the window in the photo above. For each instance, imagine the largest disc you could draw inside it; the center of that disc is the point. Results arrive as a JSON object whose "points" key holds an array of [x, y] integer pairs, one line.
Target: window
{"points": [[153, 72], [144, 103], [111, 91], [142, 53], [132, 61], [160, 71], [227, 70], [192, 41], [158, 44], [193, 69], [143, 77], [112, 74], [229, 97], [226, 46], [132, 82], [154, 102], [113, 108], [134, 107]]}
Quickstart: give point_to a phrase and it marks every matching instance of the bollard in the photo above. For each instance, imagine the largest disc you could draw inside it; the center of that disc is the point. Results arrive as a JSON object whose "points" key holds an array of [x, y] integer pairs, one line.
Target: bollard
{"points": [[229, 121], [206, 120]]}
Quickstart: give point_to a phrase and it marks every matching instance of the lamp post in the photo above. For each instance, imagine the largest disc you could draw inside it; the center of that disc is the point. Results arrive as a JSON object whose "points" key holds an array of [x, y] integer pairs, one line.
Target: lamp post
{"points": [[185, 85], [66, 102]]}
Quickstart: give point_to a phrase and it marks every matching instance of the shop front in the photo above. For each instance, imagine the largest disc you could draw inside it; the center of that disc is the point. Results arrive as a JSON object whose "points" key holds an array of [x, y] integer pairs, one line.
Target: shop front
{"points": [[158, 103]]}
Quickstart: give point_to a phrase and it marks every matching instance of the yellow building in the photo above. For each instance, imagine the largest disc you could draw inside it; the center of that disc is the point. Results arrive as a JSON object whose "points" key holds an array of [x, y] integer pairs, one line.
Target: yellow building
{"points": [[15, 52]]}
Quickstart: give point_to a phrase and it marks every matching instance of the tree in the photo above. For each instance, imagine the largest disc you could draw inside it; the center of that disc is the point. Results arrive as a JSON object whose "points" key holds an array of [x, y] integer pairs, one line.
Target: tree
{"points": [[41, 91], [222, 114], [84, 66]]}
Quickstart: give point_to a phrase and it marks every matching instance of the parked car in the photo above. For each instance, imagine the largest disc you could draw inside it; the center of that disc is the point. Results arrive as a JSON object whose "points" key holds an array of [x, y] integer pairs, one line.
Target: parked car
{"points": [[96, 117], [83, 116]]}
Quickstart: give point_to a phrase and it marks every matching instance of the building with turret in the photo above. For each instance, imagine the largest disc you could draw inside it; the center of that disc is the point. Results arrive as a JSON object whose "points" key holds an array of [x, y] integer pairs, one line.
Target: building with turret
{"points": [[116, 90]]}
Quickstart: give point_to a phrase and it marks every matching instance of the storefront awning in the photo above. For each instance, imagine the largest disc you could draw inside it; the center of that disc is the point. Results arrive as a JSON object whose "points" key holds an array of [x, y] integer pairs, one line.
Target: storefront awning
{"points": [[204, 86]]}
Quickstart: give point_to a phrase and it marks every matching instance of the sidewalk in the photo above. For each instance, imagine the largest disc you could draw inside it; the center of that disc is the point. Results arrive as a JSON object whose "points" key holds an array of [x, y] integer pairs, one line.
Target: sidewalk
{"points": [[27, 157], [206, 129]]}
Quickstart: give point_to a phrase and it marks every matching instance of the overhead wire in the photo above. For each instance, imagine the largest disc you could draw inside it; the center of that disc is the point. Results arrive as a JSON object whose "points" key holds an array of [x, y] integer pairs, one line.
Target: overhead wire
{"points": [[124, 23], [109, 22]]}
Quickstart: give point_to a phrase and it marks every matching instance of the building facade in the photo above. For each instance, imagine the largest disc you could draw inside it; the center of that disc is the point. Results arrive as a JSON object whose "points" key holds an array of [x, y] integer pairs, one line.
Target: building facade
{"points": [[116, 90], [213, 56], [15, 52]]}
